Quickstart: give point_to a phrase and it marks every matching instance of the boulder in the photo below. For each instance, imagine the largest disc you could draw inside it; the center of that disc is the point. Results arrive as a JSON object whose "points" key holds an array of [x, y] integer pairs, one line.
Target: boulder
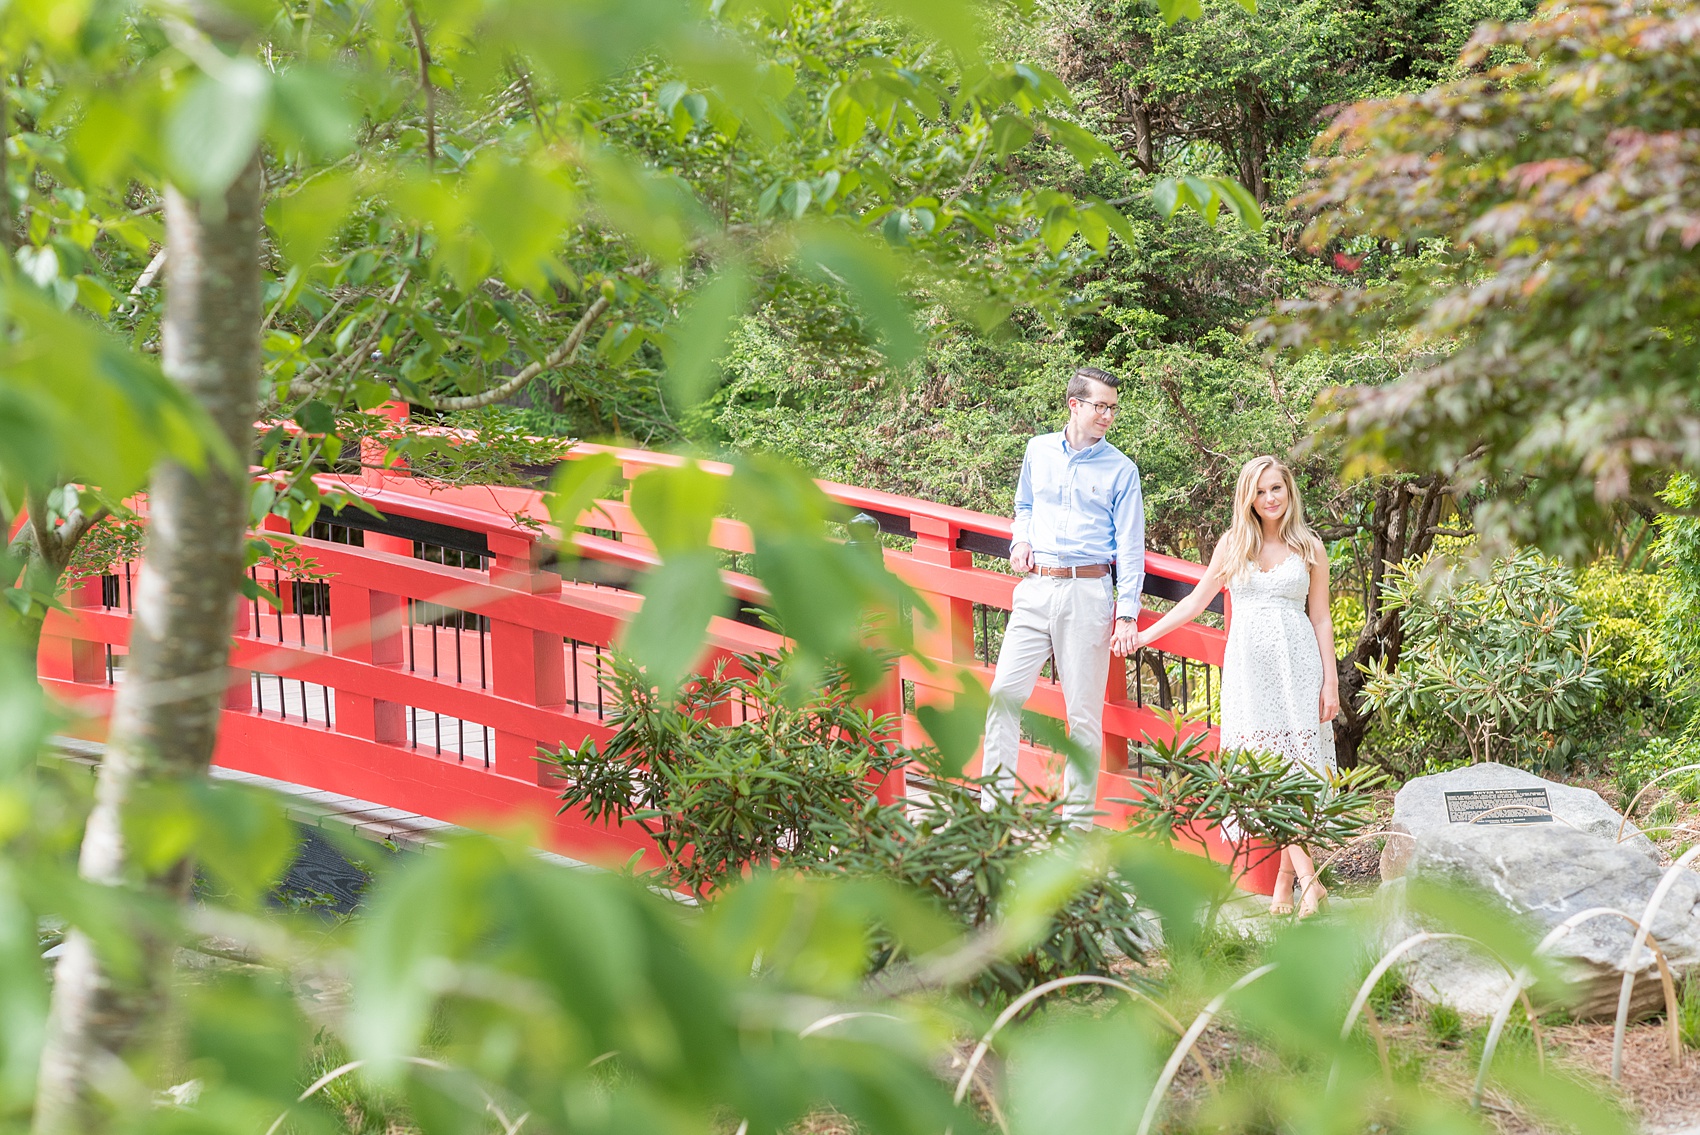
{"points": [[1541, 869], [1502, 797]]}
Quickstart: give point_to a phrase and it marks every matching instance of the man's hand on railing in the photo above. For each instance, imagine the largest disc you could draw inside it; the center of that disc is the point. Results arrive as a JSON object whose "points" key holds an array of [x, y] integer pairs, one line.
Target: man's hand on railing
{"points": [[1021, 558]]}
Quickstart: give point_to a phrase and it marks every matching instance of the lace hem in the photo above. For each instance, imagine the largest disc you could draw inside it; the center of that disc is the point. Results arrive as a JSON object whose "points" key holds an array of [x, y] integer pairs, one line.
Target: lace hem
{"points": [[1313, 748]]}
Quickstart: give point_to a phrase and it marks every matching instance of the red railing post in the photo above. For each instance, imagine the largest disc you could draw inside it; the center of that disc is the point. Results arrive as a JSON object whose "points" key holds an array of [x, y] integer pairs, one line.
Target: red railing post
{"points": [[239, 694], [366, 626], [949, 636], [71, 659], [1115, 689], [526, 665]]}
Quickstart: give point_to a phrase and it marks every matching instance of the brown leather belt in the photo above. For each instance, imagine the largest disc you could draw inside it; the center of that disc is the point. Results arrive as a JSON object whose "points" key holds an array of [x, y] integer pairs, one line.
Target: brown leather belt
{"points": [[1084, 571]]}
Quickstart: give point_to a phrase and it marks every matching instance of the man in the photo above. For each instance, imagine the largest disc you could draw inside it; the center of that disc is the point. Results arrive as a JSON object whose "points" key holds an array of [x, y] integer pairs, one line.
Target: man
{"points": [[1078, 512]]}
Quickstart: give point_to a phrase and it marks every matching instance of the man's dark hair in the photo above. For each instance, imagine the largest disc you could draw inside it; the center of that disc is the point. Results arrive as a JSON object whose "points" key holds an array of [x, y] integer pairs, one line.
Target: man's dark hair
{"points": [[1077, 386]]}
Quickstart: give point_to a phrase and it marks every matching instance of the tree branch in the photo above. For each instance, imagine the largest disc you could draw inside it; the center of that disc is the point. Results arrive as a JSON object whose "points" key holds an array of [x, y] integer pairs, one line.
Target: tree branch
{"points": [[513, 385], [425, 85]]}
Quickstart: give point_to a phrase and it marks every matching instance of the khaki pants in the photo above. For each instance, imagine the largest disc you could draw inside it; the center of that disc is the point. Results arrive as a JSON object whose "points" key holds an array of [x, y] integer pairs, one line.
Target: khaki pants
{"points": [[1070, 619]]}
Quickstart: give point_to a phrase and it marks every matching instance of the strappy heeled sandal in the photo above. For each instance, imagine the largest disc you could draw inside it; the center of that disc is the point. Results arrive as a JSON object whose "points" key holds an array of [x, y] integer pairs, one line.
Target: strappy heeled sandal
{"points": [[1312, 895], [1281, 903]]}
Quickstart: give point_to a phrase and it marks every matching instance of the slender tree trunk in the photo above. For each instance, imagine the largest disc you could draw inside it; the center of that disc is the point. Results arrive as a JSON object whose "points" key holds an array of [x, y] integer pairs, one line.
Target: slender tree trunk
{"points": [[166, 716], [1402, 524]]}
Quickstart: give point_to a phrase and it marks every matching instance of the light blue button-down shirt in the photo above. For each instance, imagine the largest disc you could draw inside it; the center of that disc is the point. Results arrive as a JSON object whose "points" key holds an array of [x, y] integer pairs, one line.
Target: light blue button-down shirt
{"points": [[1083, 506]]}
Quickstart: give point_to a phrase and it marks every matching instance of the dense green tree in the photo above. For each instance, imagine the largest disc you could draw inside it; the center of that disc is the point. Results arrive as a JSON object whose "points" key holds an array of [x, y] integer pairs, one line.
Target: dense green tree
{"points": [[1251, 91], [1550, 210]]}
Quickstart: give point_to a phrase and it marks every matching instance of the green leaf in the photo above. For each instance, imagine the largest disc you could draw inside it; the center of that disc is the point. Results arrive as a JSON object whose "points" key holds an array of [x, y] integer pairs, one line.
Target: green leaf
{"points": [[1180, 888], [370, 395], [305, 220], [1053, 734], [310, 104], [1175, 10], [699, 341], [75, 404], [1169, 195], [956, 729], [1239, 201], [1058, 228], [954, 23], [94, 295], [1083, 145], [1009, 134], [577, 483], [1078, 1072], [665, 637], [211, 132], [1093, 229], [677, 507], [315, 417], [872, 276], [1112, 217], [23, 988], [795, 198], [1206, 199]]}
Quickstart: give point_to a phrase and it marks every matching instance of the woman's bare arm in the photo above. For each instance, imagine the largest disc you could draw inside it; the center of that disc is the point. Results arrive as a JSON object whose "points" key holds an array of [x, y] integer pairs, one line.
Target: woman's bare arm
{"points": [[1317, 606], [1192, 606]]}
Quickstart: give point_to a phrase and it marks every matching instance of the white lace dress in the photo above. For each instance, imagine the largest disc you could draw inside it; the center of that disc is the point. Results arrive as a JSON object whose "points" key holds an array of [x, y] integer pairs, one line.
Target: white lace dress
{"points": [[1272, 669]]}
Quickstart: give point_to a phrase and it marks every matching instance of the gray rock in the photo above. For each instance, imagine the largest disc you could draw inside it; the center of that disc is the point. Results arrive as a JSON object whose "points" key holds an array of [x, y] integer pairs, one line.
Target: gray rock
{"points": [[1420, 809], [1540, 874]]}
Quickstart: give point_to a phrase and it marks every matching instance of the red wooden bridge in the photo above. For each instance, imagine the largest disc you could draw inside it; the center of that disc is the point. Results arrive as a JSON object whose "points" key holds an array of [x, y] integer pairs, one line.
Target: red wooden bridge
{"points": [[439, 644]]}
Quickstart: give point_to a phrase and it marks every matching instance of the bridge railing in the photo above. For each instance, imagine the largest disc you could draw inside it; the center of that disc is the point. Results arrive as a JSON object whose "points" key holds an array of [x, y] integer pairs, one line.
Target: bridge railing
{"points": [[428, 653]]}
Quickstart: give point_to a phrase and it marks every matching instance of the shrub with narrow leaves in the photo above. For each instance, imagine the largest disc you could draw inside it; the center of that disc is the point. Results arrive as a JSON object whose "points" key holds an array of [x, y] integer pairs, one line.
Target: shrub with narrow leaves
{"points": [[1494, 665]]}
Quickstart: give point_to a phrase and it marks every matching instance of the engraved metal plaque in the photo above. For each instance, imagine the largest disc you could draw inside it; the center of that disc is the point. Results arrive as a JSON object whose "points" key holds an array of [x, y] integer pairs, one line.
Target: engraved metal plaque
{"points": [[1499, 806]]}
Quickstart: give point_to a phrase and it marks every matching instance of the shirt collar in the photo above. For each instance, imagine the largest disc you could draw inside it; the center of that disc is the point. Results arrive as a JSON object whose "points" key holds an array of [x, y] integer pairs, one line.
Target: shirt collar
{"points": [[1070, 451]]}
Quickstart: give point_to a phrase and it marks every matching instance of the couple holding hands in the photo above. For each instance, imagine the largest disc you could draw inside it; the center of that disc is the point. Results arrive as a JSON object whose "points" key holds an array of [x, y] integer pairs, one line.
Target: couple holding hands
{"points": [[1080, 531]]}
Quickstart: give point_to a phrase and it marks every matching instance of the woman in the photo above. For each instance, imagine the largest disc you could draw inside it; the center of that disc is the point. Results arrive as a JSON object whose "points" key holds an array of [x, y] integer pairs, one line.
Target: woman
{"points": [[1280, 689]]}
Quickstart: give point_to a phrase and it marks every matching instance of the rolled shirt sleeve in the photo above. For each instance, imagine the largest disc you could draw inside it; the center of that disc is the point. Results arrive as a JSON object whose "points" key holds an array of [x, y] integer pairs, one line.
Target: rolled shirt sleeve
{"points": [[1129, 519]]}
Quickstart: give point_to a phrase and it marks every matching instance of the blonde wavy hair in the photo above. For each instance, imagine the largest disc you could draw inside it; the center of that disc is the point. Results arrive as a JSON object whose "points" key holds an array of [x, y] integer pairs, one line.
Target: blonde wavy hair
{"points": [[1243, 542]]}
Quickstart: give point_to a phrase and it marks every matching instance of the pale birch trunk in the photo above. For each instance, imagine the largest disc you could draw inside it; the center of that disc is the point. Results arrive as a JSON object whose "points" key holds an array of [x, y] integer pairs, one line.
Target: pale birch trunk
{"points": [[166, 716]]}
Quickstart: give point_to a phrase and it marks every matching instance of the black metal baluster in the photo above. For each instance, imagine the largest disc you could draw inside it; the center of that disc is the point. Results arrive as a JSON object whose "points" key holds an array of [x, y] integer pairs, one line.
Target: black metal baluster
{"points": [[577, 704], [277, 584]]}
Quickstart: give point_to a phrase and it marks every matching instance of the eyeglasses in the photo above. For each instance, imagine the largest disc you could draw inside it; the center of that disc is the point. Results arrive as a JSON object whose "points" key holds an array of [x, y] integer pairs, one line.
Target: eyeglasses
{"points": [[1107, 409]]}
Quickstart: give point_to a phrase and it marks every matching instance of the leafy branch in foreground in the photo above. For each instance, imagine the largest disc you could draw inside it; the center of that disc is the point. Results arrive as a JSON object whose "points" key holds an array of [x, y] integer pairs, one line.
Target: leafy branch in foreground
{"points": [[1251, 796], [729, 775], [966, 858]]}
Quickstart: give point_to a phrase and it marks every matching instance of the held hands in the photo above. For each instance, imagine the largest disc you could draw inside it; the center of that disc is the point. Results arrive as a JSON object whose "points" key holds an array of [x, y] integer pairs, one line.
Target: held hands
{"points": [[1330, 703], [1021, 558], [1125, 638]]}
